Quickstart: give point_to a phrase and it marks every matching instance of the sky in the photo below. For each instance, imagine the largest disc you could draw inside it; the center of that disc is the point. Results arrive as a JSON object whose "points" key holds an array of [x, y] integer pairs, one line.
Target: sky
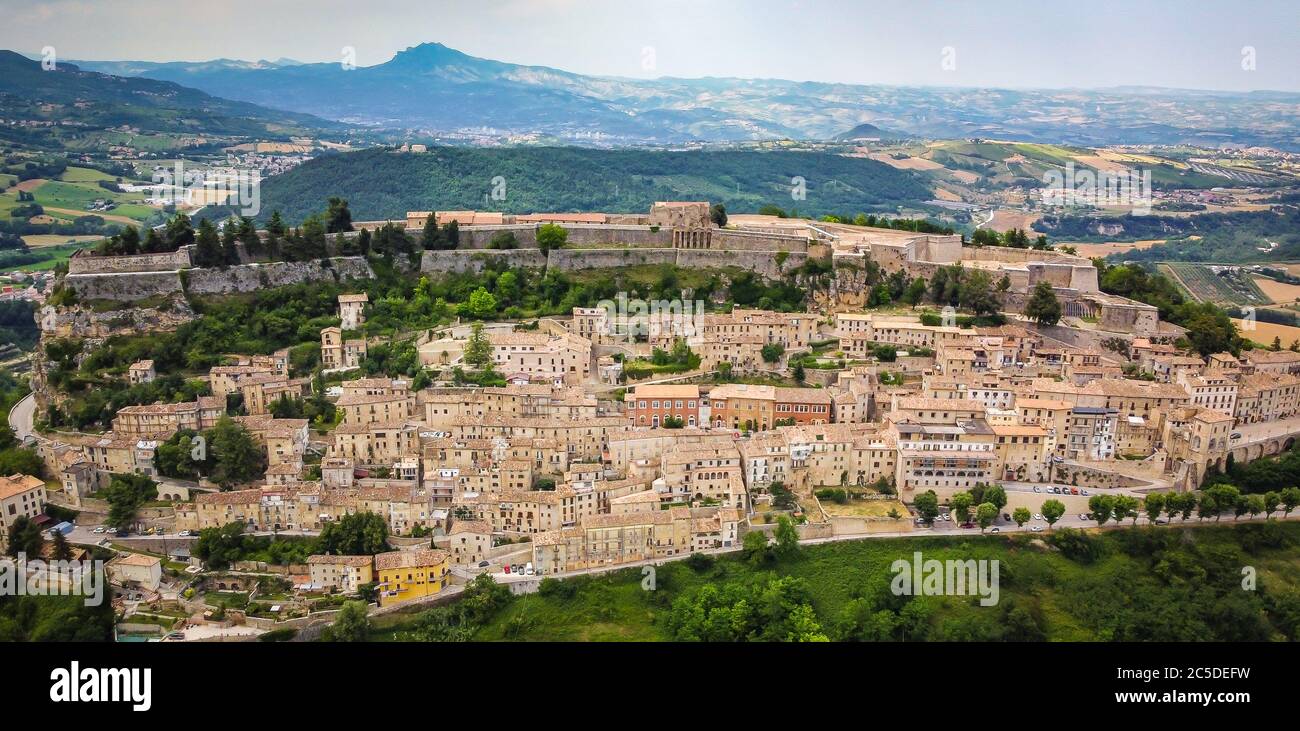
{"points": [[1244, 45]]}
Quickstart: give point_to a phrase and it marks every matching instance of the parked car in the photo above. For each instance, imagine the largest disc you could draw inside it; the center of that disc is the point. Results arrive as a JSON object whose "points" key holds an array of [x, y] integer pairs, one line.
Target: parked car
{"points": [[1083, 492], [1006, 516], [99, 529], [995, 530], [506, 568], [1037, 489], [184, 534], [1037, 529], [1038, 516], [528, 569], [1074, 491], [483, 564], [968, 525]]}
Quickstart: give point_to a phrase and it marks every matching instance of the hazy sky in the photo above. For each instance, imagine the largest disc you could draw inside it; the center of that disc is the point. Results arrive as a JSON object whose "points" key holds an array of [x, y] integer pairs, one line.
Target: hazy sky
{"points": [[1043, 43]]}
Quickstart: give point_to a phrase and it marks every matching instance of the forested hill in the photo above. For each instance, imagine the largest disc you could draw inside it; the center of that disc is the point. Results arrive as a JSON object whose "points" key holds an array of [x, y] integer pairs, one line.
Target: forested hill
{"points": [[381, 183], [70, 95]]}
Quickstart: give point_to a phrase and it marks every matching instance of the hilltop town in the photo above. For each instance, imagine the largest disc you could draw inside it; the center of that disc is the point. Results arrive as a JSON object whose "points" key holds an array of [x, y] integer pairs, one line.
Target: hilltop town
{"points": [[829, 378]]}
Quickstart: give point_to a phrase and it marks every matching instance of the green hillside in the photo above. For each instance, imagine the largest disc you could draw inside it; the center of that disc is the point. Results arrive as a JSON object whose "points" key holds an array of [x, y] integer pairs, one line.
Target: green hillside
{"points": [[88, 105], [1170, 584], [383, 184]]}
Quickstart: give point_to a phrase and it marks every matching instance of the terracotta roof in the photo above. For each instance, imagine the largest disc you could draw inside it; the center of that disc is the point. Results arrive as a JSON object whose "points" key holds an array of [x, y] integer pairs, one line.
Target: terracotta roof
{"points": [[423, 558]]}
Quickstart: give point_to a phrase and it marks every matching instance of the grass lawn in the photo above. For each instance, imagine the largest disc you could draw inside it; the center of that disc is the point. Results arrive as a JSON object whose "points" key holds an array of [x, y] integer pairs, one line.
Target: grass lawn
{"points": [[864, 508], [227, 599]]}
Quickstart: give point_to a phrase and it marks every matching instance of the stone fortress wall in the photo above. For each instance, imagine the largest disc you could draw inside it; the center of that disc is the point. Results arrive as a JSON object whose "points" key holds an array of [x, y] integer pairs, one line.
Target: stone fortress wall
{"points": [[83, 262], [130, 286], [674, 233]]}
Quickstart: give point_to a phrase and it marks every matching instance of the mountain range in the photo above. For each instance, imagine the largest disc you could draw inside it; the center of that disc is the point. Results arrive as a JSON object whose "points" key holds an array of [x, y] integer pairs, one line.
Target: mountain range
{"points": [[440, 90], [77, 98]]}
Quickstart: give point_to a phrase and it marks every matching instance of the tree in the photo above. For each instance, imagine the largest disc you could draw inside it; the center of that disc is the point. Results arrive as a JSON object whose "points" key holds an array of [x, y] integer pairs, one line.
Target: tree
{"points": [[798, 373], [915, 292], [1154, 505], [772, 352], [1186, 502], [481, 304], [995, 494], [1101, 507], [61, 550], [1021, 516], [755, 547], [961, 503], [125, 494], [1043, 307], [787, 538], [478, 349], [503, 240], [337, 217], [207, 251], [976, 293], [1290, 499], [221, 546], [1126, 506], [1205, 506], [1052, 511], [175, 457], [1224, 497], [724, 371], [551, 236], [1272, 502], [927, 505], [1255, 504], [130, 239], [229, 244], [234, 454], [25, 538], [718, 215], [351, 625], [431, 237], [358, 534], [985, 514]]}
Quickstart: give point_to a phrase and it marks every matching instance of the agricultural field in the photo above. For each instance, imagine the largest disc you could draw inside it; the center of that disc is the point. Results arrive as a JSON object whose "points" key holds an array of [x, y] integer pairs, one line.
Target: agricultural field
{"points": [[1263, 333], [1093, 251], [1230, 285], [39, 241], [66, 199], [1278, 292]]}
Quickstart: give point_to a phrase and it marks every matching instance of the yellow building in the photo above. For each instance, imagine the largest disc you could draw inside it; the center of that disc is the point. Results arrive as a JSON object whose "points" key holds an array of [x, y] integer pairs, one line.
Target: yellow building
{"points": [[406, 575]]}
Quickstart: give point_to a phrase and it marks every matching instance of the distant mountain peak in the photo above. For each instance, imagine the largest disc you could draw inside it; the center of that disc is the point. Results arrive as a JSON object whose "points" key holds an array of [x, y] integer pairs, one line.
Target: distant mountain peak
{"points": [[431, 54]]}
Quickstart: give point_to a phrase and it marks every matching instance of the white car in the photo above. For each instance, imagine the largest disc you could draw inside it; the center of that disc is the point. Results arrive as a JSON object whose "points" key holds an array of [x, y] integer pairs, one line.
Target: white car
{"points": [[1037, 516], [1037, 529], [98, 529]]}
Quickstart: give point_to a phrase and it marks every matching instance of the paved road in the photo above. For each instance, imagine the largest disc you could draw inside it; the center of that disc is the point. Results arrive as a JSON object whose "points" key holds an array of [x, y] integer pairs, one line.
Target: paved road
{"points": [[21, 416], [1265, 430]]}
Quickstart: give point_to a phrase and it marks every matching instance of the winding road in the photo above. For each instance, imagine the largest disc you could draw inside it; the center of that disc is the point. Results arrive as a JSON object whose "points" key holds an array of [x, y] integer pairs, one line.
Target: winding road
{"points": [[21, 416]]}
